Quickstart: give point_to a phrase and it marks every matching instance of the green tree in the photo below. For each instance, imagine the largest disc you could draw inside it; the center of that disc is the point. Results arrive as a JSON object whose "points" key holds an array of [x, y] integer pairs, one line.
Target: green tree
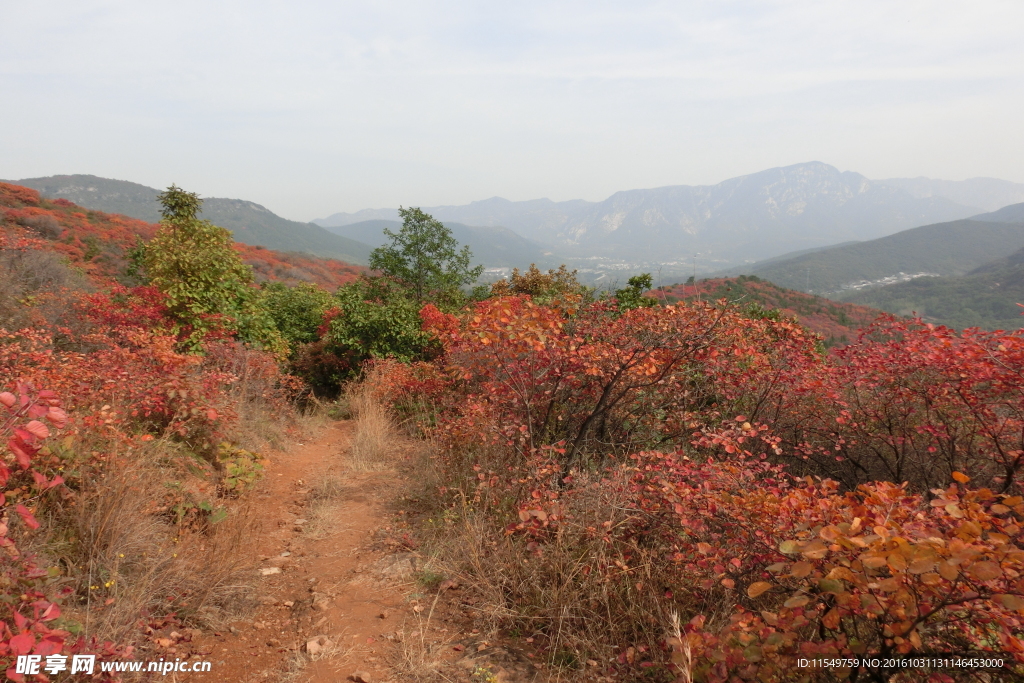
{"points": [[376, 323], [632, 296], [298, 312], [206, 284], [424, 258]]}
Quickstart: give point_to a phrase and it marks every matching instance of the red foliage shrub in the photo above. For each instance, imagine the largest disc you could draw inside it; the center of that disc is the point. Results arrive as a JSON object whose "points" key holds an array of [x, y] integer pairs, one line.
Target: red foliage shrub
{"points": [[694, 419]]}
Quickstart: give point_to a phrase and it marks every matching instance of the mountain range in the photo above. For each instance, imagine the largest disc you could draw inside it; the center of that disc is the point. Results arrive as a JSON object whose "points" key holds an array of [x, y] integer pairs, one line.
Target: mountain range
{"points": [[673, 229], [742, 219]]}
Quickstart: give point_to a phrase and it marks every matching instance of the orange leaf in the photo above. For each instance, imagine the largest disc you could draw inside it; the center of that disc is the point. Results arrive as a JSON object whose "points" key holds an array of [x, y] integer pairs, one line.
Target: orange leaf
{"points": [[802, 569], [961, 477], [758, 588], [985, 571]]}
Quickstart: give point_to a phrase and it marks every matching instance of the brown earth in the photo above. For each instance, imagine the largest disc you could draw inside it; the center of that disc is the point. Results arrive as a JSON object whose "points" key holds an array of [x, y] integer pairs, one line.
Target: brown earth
{"points": [[343, 594]]}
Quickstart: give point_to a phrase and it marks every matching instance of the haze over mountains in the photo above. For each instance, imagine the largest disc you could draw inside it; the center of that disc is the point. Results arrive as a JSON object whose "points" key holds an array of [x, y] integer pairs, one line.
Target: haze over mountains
{"points": [[738, 220]]}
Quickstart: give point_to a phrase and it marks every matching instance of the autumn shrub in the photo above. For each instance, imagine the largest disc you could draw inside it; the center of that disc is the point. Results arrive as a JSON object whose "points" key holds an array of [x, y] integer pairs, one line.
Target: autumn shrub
{"points": [[908, 402], [30, 615], [622, 471]]}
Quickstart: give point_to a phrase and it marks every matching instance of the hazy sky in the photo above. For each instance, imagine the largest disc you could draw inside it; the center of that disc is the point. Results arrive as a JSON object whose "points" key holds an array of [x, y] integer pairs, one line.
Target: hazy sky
{"points": [[322, 106]]}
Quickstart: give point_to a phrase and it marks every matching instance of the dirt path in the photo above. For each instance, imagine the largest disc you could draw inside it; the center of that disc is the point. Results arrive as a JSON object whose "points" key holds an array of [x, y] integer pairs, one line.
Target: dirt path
{"points": [[342, 596], [332, 598]]}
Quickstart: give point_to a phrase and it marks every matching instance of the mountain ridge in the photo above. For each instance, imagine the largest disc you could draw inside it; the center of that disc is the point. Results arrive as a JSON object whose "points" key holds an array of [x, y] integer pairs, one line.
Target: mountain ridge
{"points": [[249, 222], [766, 213]]}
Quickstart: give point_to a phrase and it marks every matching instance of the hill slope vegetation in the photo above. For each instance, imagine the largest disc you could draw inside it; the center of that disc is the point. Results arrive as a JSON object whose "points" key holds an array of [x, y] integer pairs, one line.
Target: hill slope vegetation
{"points": [[248, 222], [986, 297], [953, 248]]}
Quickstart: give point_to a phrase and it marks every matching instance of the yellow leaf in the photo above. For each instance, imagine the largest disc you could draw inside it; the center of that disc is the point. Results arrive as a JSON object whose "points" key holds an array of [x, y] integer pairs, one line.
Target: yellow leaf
{"points": [[897, 562], [1014, 602], [758, 588]]}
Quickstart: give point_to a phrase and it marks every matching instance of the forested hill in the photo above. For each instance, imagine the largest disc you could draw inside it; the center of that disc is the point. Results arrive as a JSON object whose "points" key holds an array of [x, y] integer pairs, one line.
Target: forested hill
{"points": [[837, 322], [987, 297], [99, 243]]}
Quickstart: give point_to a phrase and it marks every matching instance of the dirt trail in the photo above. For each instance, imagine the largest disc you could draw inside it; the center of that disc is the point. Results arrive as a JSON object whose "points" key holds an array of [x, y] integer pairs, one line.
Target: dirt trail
{"points": [[340, 597], [320, 575]]}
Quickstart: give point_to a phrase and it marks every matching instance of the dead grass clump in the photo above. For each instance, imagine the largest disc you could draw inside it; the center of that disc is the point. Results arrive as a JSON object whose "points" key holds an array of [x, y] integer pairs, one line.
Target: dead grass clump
{"points": [[374, 437], [127, 559], [600, 581], [417, 657]]}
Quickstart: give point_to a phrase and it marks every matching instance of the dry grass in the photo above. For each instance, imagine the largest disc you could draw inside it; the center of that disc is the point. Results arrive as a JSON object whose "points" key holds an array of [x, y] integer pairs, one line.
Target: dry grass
{"points": [[418, 658], [558, 593], [125, 557], [323, 509], [374, 439]]}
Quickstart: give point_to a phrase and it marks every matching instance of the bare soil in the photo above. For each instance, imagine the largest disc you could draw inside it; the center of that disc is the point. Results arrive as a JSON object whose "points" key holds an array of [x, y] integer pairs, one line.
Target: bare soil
{"points": [[343, 595]]}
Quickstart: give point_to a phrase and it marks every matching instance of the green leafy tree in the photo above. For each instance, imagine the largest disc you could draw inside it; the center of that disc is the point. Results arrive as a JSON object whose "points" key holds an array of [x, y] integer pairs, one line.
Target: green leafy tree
{"points": [[424, 258], [632, 296], [207, 285], [297, 312], [376, 323]]}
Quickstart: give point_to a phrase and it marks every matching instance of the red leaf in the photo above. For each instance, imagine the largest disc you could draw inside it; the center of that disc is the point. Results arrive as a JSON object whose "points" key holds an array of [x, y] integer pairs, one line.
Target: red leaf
{"points": [[8, 399], [51, 644], [38, 429], [22, 453], [21, 644], [27, 516], [57, 417]]}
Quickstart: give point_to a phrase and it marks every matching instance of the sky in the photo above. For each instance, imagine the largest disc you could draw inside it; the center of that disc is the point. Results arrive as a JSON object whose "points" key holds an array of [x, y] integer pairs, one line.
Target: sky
{"points": [[313, 107]]}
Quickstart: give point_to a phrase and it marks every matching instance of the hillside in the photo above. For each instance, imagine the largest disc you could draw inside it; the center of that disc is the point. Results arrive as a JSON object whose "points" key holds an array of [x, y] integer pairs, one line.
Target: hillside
{"points": [[493, 247], [953, 248], [250, 223], [835, 321], [986, 298], [1008, 214], [98, 243], [741, 219]]}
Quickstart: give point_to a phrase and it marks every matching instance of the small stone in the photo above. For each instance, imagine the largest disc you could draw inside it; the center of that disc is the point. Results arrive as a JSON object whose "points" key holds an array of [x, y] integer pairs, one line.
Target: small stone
{"points": [[274, 642], [267, 571], [361, 677], [382, 615], [317, 645], [321, 605], [234, 630], [289, 603], [285, 554], [300, 522], [267, 600]]}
